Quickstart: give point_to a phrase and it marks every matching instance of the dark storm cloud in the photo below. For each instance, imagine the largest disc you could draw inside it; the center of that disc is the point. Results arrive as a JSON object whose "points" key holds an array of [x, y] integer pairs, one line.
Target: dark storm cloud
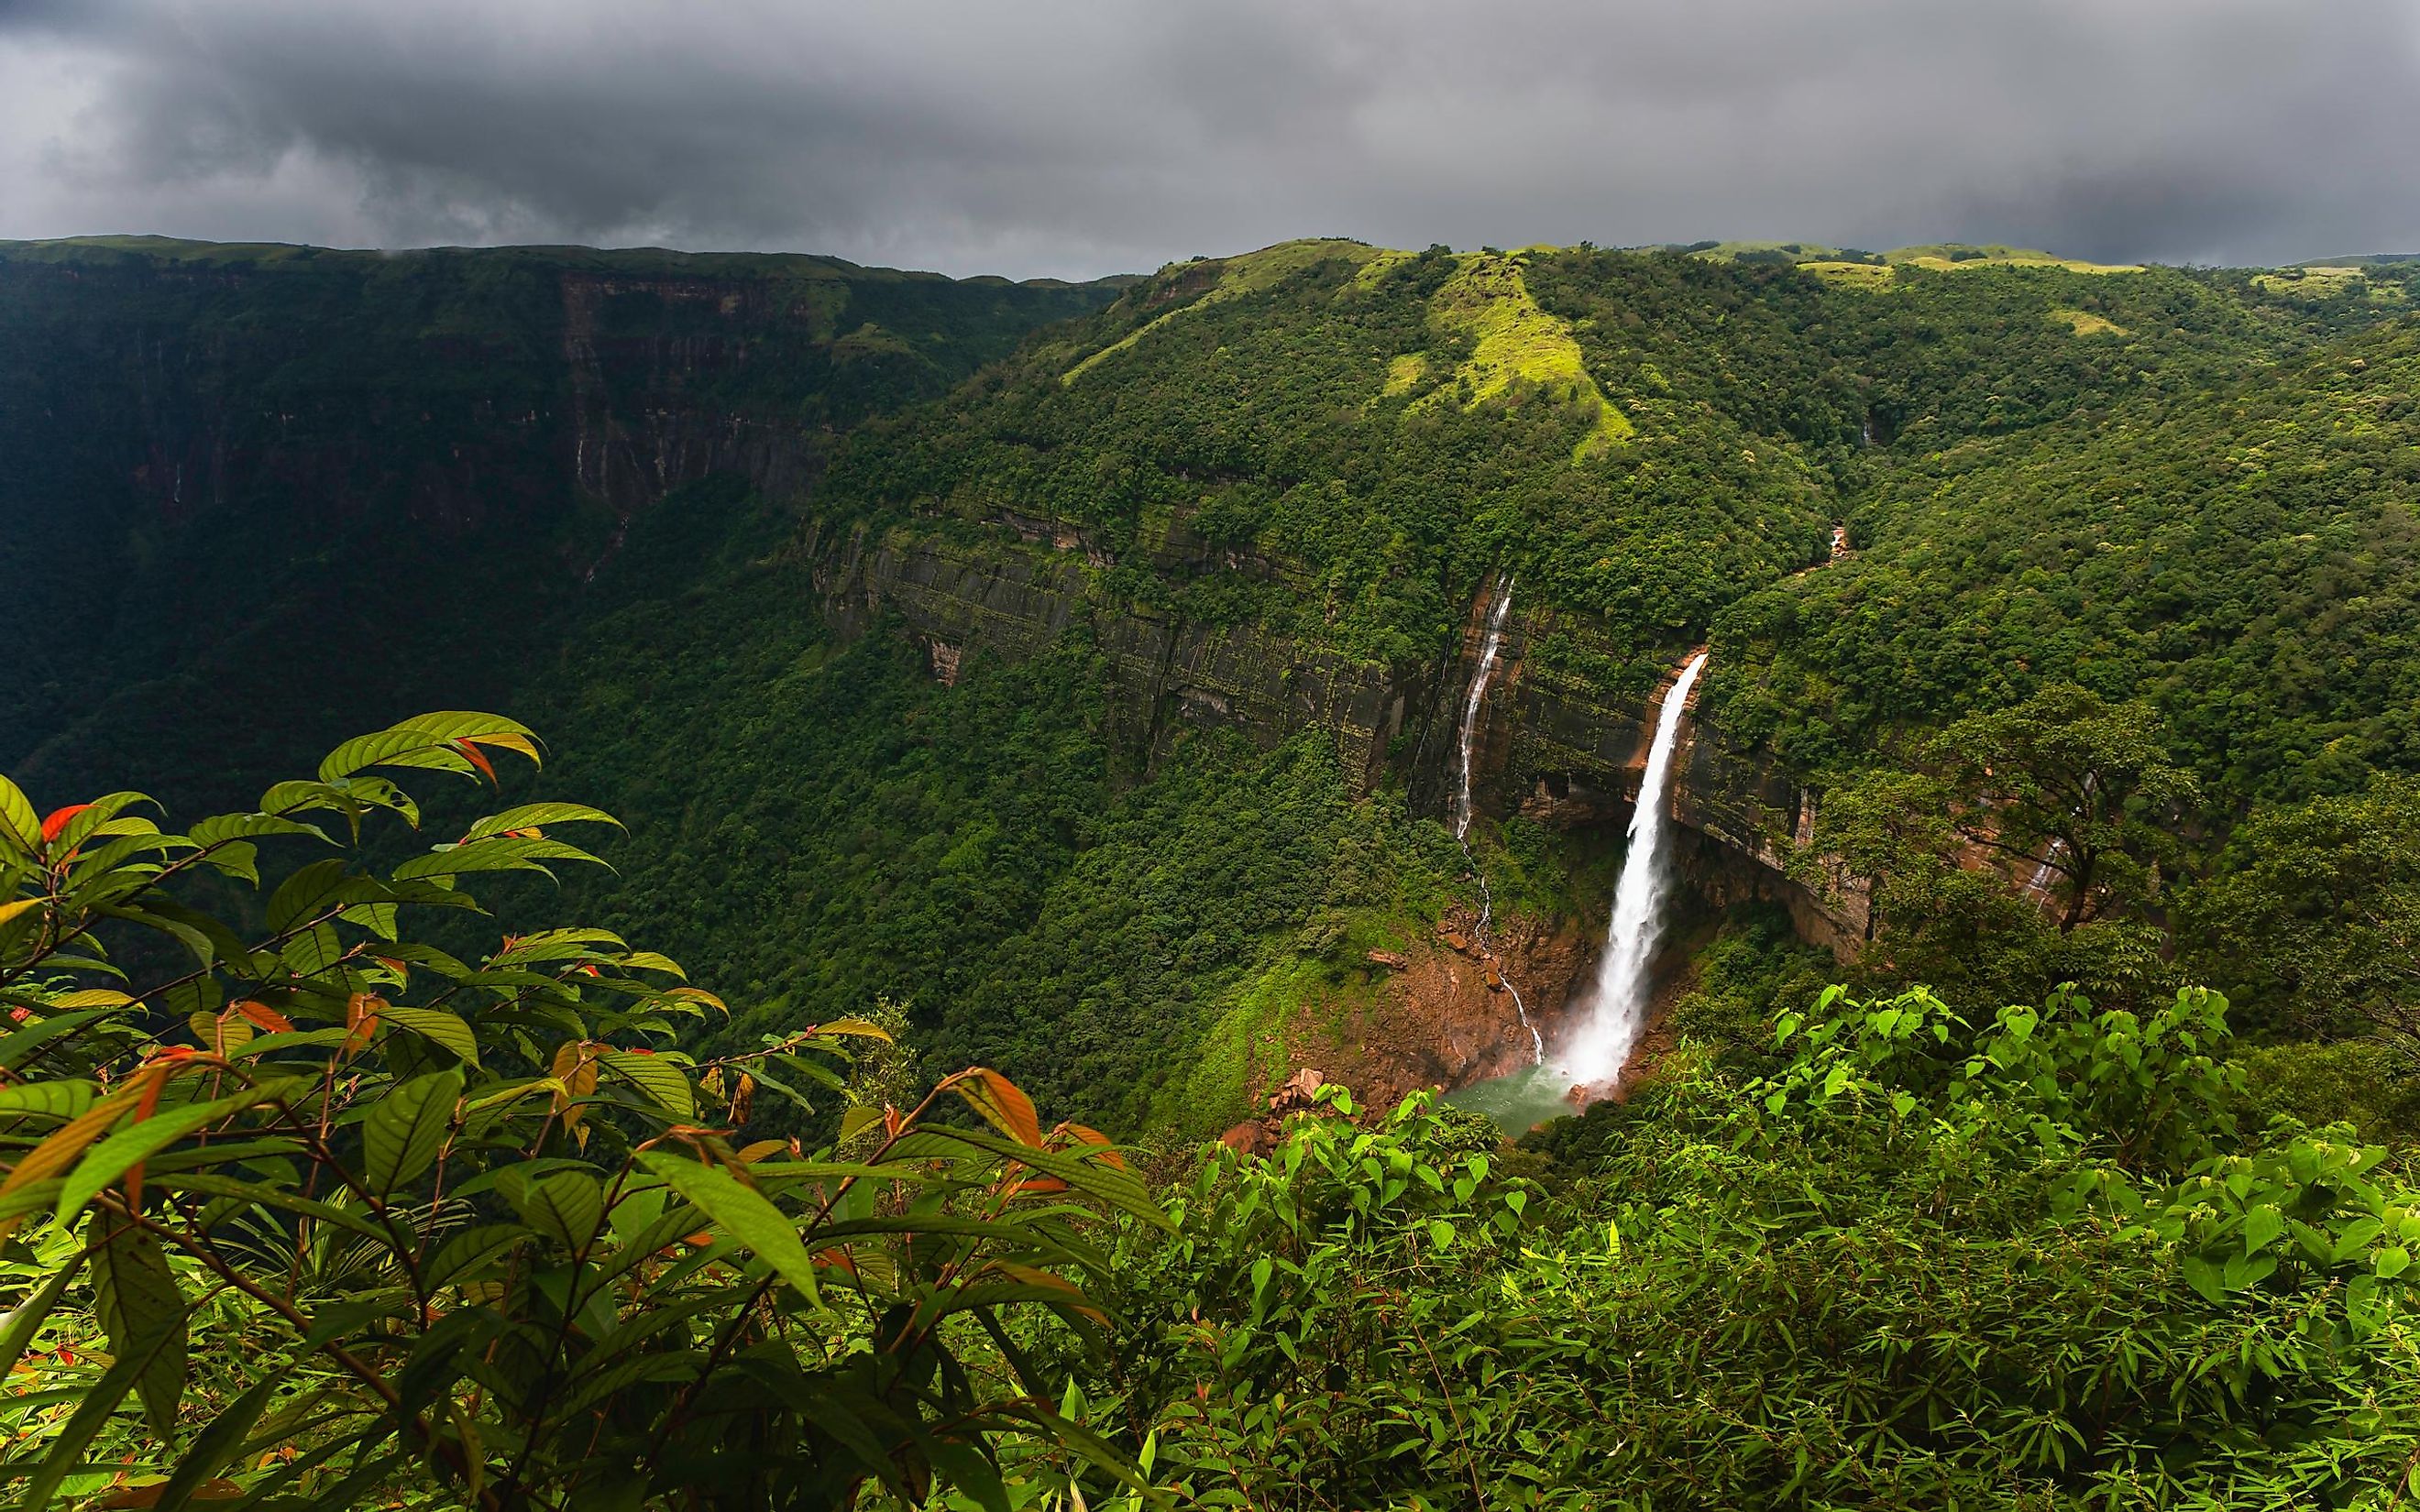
{"points": [[1059, 137]]}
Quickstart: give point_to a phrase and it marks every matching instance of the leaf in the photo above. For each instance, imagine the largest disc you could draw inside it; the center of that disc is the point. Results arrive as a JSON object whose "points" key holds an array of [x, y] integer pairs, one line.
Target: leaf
{"points": [[136, 1295], [742, 1214], [20, 905], [468, 1249], [121, 1152], [220, 1034], [427, 741], [2392, 1261], [2262, 1228], [435, 1024], [18, 1046], [25, 1320], [60, 1150], [21, 828], [867, 1032], [406, 1128], [498, 852], [1000, 1102], [662, 1082], [214, 1448], [263, 1016], [530, 815], [1088, 1171], [567, 1207], [2203, 1277], [66, 1450]]}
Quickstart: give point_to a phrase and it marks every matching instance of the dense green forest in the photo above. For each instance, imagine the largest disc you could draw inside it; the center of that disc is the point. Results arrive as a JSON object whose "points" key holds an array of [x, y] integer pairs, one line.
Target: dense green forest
{"points": [[1061, 681]]}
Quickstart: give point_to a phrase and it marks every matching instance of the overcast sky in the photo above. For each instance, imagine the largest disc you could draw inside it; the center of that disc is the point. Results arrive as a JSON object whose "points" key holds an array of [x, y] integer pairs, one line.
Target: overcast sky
{"points": [[1072, 138]]}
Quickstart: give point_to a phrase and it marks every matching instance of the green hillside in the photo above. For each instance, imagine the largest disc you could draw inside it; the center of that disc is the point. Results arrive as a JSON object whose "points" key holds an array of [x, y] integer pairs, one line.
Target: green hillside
{"points": [[1065, 680]]}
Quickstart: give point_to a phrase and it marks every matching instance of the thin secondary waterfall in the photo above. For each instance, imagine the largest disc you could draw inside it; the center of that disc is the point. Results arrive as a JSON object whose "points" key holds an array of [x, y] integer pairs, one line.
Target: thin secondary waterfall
{"points": [[1496, 611], [1489, 645], [1598, 1052]]}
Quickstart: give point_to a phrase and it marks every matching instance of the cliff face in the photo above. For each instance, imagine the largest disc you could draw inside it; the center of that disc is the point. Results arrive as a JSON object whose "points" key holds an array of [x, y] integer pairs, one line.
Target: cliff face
{"points": [[1551, 744], [214, 454], [1008, 597]]}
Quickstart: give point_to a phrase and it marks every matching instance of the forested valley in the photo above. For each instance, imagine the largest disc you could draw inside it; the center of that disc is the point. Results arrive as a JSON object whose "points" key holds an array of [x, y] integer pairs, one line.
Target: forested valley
{"points": [[959, 747]]}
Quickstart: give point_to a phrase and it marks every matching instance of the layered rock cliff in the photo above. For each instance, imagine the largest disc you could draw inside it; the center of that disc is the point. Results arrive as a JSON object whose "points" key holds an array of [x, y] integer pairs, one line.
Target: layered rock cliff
{"points": [[1552, 743]]}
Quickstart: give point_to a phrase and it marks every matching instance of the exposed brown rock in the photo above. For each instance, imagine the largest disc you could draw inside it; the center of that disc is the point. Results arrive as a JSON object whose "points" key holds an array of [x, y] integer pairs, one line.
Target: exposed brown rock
{"points": [[1388, 959]]}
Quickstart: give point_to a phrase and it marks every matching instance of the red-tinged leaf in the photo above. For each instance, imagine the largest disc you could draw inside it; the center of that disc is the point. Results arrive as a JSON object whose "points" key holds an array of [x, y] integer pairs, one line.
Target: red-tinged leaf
{"points": [[477, 757], [264, 1017], [362, 1019], [58, 821], [1002, 1104]]}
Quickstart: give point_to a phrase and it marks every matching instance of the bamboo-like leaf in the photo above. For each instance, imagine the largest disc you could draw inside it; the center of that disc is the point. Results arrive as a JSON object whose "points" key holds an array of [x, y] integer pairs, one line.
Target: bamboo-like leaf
{"points": [[27, 1319], [66, 1450], [406, 1127], [742, 1214], [137, 1296], [214, 1448]]}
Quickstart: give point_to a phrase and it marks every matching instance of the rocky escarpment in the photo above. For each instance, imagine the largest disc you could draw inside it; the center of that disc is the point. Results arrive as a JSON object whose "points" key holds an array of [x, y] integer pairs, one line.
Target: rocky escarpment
{"points": [[1016, 588], [1552, 743]]}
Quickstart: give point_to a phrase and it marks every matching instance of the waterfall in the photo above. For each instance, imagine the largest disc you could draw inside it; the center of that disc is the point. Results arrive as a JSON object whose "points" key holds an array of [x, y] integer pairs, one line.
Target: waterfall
{"points": [[1598, 1052], [1498, 609]]}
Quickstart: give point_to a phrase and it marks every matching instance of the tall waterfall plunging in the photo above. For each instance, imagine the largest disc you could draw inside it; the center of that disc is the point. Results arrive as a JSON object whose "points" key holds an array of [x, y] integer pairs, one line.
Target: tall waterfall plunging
{"points": [[1598, 1051], [1489, 645]]}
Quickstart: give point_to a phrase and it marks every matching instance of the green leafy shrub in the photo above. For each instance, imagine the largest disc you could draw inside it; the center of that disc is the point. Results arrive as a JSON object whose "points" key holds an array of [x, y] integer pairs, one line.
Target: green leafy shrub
{"points": [[354, 1221]]}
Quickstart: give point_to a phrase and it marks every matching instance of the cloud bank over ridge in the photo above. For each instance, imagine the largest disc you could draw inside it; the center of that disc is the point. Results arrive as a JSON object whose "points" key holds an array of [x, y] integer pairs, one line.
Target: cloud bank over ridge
{"points": [[1077, 137]]}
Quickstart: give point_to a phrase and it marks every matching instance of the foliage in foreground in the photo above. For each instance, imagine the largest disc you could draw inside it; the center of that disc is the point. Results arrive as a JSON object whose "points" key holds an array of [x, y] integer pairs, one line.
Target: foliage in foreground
{"points": [[361, 1223], [2028, 1262]]}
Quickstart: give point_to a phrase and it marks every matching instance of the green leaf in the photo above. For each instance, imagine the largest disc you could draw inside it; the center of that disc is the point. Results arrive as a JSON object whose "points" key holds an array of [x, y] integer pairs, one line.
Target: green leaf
{"points": [[465, 1251], [500, 853], [660, 1081], [113, 1156], [21, 828], [66, 1450], [567, 1207], [137, 1296], [2392, 1261], [435, 1024], [406, 1127], [25, 1320], [743, 1214], [214, 1448], [1088, 1171], [2262, 1228], [57, 1099], [532, 815]]}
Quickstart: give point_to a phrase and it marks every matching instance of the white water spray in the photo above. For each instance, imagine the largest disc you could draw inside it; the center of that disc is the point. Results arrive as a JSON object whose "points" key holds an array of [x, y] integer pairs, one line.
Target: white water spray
{"points": [[1489, 645], [1598, 1052]]}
